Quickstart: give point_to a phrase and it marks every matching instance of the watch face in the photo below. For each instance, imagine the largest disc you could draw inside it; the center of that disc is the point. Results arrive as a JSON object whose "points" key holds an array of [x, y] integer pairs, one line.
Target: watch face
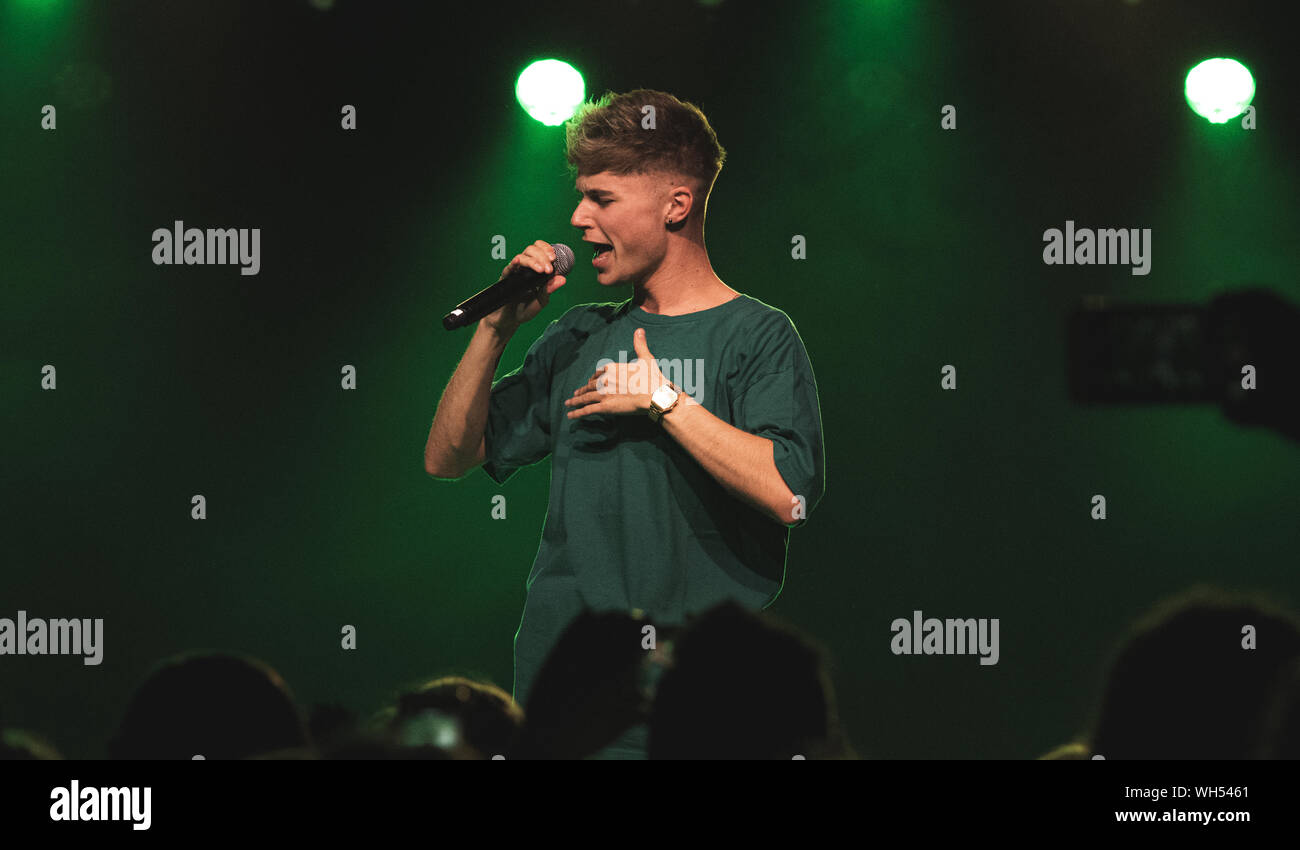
{"points": [[663, 396]]}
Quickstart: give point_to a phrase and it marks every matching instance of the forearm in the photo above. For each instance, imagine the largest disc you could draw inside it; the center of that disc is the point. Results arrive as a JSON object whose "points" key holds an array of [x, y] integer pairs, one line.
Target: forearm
{"points": [[743, 463], [461, 417]]}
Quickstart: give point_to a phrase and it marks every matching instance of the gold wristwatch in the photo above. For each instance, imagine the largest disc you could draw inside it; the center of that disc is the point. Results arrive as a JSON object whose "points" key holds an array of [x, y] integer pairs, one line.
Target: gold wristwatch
{"points": [[663, 400]]}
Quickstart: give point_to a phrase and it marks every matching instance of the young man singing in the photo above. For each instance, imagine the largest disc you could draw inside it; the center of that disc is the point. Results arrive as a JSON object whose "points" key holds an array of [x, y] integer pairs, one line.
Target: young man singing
{"points": [[683, 423]]}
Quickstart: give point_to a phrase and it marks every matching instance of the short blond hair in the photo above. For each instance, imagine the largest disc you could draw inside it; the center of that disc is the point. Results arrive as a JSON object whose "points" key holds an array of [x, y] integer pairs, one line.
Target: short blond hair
{"points": [[606, 135]]}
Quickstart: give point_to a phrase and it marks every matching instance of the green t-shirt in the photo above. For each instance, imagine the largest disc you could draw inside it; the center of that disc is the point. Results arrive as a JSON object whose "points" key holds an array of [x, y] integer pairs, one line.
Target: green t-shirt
{"points": [[634, 521]]}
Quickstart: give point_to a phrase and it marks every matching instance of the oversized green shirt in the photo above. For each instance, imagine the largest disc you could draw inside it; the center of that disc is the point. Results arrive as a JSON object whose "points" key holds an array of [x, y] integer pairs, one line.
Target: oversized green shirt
{"points": [[634, 521]]}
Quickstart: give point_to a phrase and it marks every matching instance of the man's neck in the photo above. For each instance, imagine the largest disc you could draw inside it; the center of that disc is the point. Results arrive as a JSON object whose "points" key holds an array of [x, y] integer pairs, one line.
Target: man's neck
{"points": [[683, 284]]}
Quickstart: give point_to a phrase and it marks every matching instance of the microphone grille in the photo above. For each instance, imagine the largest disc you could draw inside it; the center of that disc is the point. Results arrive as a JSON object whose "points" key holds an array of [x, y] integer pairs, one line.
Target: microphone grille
{"points": [[563, 258]]}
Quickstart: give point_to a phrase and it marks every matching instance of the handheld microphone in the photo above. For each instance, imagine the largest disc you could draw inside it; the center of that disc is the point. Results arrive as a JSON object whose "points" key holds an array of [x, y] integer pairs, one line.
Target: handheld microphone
{"points": [[518, 280]]}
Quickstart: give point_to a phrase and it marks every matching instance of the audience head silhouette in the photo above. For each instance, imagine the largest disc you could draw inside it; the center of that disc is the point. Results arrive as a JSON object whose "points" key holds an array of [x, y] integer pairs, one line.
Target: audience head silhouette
{"points": [[1187, 683], [1281, 738], [486, 717], [212, 705], [742, 686], [22, 745]]}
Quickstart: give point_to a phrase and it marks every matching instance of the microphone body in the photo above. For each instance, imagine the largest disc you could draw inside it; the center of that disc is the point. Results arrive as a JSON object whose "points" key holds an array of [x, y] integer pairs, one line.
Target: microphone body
{"points": [[514, 283]]}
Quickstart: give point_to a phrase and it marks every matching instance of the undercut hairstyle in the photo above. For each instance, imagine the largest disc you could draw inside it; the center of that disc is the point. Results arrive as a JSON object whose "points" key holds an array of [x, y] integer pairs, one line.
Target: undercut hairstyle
{"points": [[607, 135]]}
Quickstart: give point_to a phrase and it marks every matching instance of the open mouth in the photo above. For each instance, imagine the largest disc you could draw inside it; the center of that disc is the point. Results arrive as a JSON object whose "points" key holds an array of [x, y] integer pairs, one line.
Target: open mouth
{"points": [[602, 248]]}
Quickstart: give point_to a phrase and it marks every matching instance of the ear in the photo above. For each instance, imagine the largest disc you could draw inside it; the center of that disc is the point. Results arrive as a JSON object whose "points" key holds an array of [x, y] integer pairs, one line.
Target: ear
{"points": [[681, 200]]}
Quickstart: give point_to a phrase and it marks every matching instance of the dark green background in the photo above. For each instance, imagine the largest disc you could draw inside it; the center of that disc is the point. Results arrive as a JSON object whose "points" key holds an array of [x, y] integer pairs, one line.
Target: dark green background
{"points": [[924, 249]]}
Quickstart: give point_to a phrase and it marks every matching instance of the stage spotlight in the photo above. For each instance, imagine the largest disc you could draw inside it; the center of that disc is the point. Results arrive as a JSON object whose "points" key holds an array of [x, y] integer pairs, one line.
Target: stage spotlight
{"points": [[1219, 89], [550, 90]]}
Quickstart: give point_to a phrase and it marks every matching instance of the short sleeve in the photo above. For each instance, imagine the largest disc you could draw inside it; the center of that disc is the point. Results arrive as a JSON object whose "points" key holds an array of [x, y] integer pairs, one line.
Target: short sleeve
{"points": [[518, 429], [780, 403]]}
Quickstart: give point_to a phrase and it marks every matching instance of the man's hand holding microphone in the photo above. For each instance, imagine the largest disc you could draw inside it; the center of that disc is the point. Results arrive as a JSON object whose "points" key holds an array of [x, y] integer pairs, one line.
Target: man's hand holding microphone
{"points": [[525, 287], [456, 441]]}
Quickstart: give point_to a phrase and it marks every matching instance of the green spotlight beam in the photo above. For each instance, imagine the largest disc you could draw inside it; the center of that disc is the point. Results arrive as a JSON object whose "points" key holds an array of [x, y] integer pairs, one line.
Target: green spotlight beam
{"points": [[1219, 89], [550, 90]]}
